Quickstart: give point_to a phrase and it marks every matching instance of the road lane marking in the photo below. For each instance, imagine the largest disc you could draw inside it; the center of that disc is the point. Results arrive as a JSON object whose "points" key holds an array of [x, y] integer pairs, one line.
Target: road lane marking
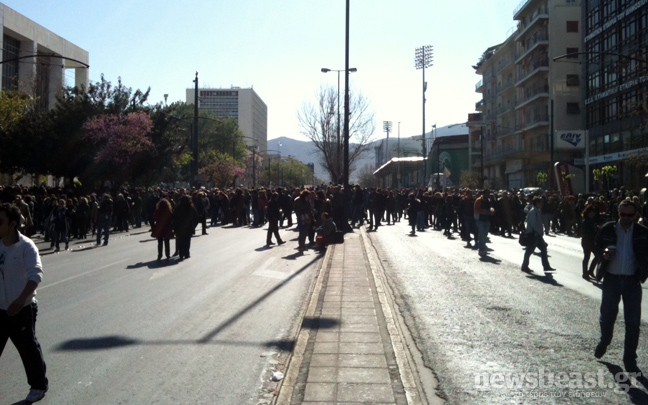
{"points": [[82, 274]]}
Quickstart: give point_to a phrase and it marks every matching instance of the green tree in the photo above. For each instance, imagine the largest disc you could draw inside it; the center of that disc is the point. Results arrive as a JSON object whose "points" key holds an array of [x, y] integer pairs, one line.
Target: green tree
{"points": [[54, 140], [541, 179], [470, 179], [604, 174]]}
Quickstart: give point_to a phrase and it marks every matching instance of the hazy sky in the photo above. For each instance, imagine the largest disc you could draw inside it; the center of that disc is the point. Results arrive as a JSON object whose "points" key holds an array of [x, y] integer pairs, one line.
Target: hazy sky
{"points": [[278, 47]]}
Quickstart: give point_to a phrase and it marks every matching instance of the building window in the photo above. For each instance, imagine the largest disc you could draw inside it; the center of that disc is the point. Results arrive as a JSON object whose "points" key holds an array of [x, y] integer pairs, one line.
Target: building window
{"points": [[615, 145], [572, 26], [594, 19], [573, 108], [573, 80], [10, 50], [572, 52], [593, 83]]}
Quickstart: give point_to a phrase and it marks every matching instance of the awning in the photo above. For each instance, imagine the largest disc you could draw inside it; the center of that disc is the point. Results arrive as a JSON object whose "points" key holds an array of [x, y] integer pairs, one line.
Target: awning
{"points": [[395, 162]]}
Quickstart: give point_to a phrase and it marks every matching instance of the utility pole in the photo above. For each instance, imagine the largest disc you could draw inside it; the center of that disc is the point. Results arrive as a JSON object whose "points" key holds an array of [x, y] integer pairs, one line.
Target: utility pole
{"points": [[551, 146], [194, 162], [346, 102]]}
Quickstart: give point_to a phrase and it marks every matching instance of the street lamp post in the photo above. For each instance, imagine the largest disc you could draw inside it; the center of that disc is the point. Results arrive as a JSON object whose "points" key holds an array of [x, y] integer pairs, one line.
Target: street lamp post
{"points": [[194, 140], [398, 154], [423, 59], [326, 70]]}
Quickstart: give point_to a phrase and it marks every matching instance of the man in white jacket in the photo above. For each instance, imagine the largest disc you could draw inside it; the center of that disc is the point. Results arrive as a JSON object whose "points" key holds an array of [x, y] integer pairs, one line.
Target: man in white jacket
{"points": [[535, 232], [20, 273]]}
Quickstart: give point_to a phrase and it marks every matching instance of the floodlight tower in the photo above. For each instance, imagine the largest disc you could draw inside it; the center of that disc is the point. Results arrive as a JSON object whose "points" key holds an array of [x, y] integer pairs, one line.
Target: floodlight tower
{"points": [[422, 60]]}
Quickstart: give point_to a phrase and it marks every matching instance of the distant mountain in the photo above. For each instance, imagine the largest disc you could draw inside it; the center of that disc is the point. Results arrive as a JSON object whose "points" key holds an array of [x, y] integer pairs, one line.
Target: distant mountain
{"points": [[306, 152]]}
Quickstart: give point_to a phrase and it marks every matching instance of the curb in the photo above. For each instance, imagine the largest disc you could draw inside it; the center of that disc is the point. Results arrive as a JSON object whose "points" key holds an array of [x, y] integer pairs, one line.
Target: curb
{"points": [[296, 358], [406, 364]]}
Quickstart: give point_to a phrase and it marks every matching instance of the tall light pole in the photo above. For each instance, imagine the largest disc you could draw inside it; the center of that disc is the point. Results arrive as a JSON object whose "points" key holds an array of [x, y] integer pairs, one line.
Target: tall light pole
{"points": [[398, 155], [347, 191], [387, 126], [194, 163], [339, 138], [422, 60]]}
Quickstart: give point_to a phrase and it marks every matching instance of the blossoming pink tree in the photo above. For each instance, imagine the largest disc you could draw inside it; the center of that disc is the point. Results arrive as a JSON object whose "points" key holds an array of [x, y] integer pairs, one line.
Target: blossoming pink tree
{"points": [[120, 141]]}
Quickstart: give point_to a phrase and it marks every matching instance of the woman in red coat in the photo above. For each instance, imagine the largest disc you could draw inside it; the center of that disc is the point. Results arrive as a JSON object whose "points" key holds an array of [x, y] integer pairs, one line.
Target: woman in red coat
{"points": [[163, 226]]}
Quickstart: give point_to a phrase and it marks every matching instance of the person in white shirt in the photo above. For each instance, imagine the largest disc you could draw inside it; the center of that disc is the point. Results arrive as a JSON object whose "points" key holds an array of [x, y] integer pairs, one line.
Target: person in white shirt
{"points": [[535, 232], [20, 273], [623, 248]]}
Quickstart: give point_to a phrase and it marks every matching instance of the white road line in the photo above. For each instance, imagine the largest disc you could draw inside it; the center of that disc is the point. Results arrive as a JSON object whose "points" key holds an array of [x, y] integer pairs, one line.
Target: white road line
{"points": [[81, 275]]}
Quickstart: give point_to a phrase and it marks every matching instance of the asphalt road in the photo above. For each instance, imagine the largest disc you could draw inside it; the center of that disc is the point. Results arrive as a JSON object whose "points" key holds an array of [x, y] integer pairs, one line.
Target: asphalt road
{"points": [[481, 323], [118, 327]]}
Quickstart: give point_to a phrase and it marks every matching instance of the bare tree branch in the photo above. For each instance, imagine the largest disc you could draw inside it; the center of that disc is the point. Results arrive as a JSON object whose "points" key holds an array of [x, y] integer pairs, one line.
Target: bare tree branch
{"points": [[320, 124]]}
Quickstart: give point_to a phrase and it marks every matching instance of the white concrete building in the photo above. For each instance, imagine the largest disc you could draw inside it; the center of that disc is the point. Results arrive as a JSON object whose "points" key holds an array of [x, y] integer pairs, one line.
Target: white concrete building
{"points": [[528, 98], [35, 59], [244, 105]]}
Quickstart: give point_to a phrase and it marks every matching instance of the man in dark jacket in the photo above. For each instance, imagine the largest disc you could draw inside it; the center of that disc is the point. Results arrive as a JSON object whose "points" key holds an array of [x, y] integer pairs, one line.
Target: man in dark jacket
{"points": [[623, 245], [273, 215], [104, 218]]}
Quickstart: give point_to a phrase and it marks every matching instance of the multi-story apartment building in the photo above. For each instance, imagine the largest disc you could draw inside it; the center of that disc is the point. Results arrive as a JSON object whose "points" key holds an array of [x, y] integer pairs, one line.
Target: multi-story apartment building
{"points": [[243, 105], [35, 59], [527, 96], [616, 86]]}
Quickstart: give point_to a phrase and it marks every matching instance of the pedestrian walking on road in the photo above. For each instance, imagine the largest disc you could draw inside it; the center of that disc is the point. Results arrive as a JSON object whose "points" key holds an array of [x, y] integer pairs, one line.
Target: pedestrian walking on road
{"points": [[163, 227], [589, 228], [412, 211], [22, 271], [483, 211], [623, 247], [185, 219], [304, 212], [273, 214], [535, 236]]}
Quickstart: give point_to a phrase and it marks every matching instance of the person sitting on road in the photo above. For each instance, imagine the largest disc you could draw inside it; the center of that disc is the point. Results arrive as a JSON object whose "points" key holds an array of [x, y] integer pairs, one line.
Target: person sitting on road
{"points": [[326, 231]]}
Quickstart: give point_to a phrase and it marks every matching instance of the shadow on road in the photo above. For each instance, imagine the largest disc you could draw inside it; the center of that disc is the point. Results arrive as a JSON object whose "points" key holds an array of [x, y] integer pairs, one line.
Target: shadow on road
{"points": [[625, 383], [111, 342], [153, 264], [546, 278], [488, 259], [319, 323], [84, 249]]}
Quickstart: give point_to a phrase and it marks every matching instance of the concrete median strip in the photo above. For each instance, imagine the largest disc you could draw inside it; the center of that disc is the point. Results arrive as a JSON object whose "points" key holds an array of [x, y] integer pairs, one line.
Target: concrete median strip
{"points": [[355, 350]]}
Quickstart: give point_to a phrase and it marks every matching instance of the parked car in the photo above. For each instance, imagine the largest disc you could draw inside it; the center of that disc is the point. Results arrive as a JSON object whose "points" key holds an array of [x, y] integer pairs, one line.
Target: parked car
{"points": [[529, 190]]}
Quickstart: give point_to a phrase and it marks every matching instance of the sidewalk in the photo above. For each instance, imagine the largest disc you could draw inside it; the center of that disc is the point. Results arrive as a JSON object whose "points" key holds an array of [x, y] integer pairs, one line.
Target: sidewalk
{"points": [[349, 349]]}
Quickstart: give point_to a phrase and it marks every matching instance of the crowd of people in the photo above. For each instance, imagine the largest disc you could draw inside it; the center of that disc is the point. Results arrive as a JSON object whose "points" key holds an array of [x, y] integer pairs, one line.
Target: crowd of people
{"points": [[62, 215], [620, 247]]}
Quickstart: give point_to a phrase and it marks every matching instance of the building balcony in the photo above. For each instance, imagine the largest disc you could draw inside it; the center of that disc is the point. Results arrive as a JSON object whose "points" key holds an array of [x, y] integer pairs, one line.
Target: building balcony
{"points": [[505, 151], [536, 121], [532, 44], [536, 67], [479, 106], [479, 87], [475, 119], [522, 9], [533, 94], [540, 16]]}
